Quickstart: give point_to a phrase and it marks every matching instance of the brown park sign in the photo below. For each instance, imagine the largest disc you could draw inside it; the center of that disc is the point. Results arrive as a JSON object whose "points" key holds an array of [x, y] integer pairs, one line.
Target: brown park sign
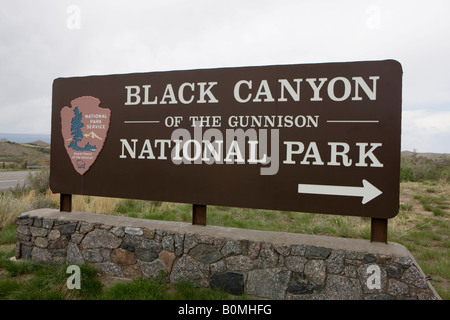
{"points": [[321, 138]]}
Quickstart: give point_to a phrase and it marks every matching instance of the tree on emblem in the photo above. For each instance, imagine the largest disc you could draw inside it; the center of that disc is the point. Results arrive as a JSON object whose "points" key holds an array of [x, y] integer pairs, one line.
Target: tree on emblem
{"points": [[77, 134], [75, 129]]}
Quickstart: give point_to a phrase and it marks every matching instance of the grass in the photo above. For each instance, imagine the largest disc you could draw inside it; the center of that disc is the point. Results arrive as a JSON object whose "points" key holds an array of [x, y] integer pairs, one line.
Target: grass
{"points": [[139, 289], [422, 225], [11, 207], [436, 205], [8, 234], [158, 289], [28, 280]]}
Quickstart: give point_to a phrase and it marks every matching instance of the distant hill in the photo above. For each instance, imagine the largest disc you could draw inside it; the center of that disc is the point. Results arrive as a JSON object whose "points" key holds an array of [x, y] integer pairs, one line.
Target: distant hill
{"points": [[41, 143], [25, 137], [432, 156], [20, 155], [37, 144]]}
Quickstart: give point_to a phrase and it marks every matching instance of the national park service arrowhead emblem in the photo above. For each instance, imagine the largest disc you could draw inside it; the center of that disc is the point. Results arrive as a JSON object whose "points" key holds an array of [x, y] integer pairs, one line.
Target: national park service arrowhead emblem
{"points": [[84, 128]]}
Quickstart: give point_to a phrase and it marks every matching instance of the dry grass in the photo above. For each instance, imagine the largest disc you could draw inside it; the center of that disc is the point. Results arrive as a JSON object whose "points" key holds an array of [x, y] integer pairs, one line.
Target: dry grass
{"points": [[101, 205], [10, 208], [422, 225]]}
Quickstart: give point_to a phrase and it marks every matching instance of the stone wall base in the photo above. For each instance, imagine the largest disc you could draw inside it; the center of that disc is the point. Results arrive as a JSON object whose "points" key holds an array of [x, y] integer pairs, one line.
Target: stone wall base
{"points": [[273, 265]]}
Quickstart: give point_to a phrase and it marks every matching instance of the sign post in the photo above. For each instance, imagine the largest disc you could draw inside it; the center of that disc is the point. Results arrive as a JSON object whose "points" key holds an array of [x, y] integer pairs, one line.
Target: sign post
{"points": [[378, 230], [199, 214], [320, 138], [65, 202]]}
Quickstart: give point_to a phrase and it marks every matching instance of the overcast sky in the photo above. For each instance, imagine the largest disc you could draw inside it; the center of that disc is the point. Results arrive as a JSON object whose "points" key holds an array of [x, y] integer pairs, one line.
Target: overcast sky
{"points": [[43, 40]]}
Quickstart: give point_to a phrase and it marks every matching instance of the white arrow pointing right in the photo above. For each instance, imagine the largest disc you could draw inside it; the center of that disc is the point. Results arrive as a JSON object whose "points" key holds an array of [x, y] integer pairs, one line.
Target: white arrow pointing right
{"points": [[368, 191]]}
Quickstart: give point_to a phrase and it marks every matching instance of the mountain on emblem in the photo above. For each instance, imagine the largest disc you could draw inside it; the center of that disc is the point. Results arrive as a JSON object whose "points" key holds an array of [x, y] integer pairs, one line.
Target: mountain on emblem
{"points": [[84, 127], [92, 135]]}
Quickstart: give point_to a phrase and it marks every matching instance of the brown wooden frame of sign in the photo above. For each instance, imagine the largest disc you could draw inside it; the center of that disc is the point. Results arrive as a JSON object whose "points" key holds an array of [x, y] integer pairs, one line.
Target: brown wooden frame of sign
{"points": [[387, 110]]}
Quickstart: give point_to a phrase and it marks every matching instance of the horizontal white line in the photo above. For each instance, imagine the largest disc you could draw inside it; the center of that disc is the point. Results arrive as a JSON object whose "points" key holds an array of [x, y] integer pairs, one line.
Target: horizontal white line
{"points": [[353, 121], [141, 121], [6, 181]]}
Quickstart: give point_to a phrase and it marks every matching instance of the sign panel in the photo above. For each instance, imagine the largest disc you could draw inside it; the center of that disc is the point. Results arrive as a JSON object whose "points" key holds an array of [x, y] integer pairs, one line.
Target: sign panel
{"points": [[321, 138]]}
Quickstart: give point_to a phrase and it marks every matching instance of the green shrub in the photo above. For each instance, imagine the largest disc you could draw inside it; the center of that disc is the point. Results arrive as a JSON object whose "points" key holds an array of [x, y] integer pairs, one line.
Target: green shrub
{"points": [[419, 168], [8, 234], [406, 174], [38, 181]]}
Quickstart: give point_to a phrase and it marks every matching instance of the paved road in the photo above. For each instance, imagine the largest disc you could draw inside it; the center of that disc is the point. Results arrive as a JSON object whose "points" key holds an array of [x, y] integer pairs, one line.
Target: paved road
{"points": [[10, 179]]}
